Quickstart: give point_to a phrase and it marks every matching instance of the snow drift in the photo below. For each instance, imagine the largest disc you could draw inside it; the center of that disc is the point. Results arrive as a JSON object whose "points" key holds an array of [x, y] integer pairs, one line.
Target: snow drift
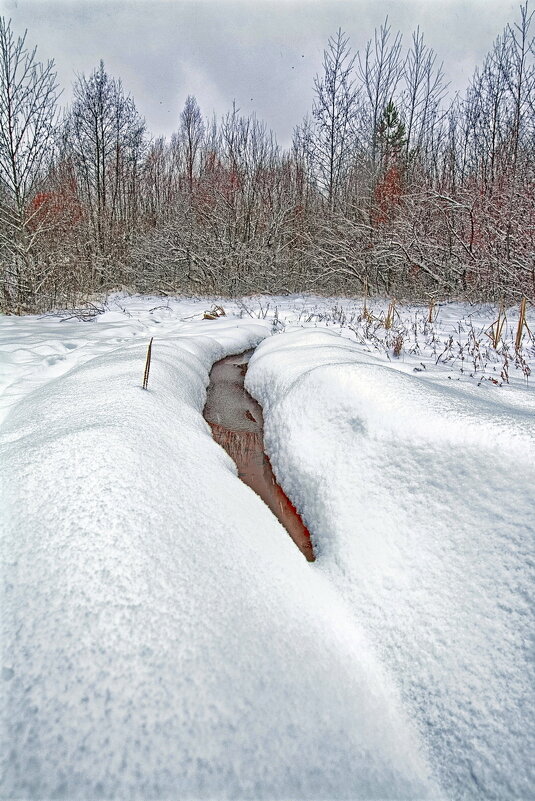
{"points": [[419, 498], [162, 636]]}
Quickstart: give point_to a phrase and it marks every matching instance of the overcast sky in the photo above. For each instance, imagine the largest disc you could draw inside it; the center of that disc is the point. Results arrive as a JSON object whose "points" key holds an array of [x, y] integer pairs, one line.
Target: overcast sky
{"points": [[264, 54]]}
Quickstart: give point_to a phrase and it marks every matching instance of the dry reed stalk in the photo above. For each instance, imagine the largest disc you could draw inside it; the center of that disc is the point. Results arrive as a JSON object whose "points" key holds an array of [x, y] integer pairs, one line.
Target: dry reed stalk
{"points": [[521, 324], [147, 365], [366, 313], [389, 319], [496, 329]]}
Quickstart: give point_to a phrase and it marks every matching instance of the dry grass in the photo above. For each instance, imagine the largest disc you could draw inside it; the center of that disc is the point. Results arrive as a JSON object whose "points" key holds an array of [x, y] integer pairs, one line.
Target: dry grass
{"points": [[398, 345], [483, 353], [214, 313]]}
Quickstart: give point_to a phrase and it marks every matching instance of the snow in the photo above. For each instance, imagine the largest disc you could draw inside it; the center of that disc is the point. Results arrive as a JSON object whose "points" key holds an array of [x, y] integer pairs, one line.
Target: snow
{"points": [[419, 498], [161, 634]]}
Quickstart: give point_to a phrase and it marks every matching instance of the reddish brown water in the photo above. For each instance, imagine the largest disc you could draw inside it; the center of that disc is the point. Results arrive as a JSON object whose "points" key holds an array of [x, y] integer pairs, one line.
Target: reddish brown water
{"points": [[237, 424]]}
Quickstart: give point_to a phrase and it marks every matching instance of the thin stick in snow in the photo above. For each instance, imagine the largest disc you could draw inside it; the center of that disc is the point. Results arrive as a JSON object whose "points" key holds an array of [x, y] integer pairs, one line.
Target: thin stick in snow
{"points": [[147, 365]]}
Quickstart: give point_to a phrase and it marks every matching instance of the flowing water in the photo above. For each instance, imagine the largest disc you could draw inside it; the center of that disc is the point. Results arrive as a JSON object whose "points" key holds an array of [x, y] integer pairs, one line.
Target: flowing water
{"points": [[237, 425]]}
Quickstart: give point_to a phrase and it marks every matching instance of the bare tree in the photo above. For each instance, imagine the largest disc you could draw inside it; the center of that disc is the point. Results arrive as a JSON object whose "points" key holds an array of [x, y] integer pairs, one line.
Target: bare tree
{"points": [[330, 136], [380, 71], [191, 136], [28, 97], [106, 140], [421, 99]]}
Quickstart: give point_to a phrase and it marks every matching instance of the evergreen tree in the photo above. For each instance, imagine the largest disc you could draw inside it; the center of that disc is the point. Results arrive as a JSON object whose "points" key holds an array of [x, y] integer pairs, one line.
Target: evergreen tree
{"points": [[390, 135]]}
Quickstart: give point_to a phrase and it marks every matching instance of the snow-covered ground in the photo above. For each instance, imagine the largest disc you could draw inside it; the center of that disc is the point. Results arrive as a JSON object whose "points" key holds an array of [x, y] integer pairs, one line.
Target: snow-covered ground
{"points": [[163, 637]]}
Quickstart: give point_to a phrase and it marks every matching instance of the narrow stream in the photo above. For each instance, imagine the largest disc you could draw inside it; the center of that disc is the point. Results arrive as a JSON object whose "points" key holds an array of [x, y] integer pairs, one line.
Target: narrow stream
{"points": [[237, 424]]}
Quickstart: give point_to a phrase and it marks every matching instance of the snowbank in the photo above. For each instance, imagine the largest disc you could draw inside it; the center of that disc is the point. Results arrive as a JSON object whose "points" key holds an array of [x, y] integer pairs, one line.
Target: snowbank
{"points": [[419, 497], [162, 636]]}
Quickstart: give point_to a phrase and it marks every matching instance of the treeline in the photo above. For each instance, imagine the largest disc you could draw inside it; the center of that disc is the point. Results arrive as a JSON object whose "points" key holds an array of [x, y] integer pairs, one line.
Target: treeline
{"points": [[388, 186]]}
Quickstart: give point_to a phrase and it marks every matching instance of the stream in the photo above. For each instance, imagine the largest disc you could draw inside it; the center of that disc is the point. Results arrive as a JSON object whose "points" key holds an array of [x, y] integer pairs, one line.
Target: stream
{"points": [[237, 425]]}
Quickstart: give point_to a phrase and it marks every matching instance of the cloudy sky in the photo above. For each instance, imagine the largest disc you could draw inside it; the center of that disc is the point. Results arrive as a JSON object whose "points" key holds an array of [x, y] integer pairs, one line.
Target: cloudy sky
{"points": [[262, 53]]}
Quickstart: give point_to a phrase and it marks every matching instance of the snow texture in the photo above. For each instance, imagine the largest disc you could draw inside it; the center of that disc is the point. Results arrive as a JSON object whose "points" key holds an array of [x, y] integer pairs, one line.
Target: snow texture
{"points": [[162, 637], [419, 494]]}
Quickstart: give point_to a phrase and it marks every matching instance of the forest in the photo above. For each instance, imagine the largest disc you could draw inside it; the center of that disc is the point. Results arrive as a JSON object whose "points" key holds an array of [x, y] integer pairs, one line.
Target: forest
{"points": [[392, 185]]}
